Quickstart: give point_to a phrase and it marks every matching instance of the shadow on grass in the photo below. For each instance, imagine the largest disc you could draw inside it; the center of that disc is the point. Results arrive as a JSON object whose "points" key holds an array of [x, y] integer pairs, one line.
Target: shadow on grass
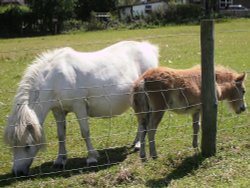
{"points": [[187, 166], [74, 166]]}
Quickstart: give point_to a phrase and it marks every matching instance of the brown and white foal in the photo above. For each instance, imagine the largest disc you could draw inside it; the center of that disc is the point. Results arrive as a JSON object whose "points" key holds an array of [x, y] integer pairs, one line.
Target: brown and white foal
{"points": [[161, 89]]}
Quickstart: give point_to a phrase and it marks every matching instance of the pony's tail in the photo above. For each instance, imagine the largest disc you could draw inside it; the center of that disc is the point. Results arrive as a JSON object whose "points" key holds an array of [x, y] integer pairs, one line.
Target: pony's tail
{"points": [[141, 103], [23, 126]]}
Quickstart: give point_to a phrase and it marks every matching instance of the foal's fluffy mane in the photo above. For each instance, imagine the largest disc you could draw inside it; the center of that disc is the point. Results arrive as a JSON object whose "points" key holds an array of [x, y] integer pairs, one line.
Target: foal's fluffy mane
{"points": [[223, 74], [23, 124]]}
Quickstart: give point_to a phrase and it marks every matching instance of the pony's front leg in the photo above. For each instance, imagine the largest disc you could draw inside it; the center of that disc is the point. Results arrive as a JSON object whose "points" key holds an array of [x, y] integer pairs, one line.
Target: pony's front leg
{"points": [[81, 114], [61, 129], [196, 126]]}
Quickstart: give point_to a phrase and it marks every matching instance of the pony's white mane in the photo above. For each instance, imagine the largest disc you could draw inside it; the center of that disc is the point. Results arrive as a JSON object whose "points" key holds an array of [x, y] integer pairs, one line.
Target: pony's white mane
{"points": [[23, 124]]}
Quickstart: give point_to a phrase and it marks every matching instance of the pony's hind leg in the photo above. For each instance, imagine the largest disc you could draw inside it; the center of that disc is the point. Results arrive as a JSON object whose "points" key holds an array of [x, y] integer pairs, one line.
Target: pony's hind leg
{"points": [[60, 115], [81, 114], [196, 126], [151, 129]]}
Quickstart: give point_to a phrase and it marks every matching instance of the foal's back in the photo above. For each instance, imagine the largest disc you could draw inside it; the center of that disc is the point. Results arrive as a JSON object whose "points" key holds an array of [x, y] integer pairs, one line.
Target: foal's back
{"points": [[178, 90]]}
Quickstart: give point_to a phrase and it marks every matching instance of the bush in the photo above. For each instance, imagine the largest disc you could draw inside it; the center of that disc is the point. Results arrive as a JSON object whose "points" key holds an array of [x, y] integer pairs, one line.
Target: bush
{"points": [[183, 13], [73, 25], [15, 20], [174, 14]]}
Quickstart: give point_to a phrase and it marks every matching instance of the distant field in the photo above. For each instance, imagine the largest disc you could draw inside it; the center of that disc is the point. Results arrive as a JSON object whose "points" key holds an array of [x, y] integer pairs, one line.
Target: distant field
{"points": [[178, 164]]}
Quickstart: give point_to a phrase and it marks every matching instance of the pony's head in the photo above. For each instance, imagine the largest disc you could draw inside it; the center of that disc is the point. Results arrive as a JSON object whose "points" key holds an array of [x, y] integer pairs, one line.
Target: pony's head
{"points": [[24, 135], [236, 97]]}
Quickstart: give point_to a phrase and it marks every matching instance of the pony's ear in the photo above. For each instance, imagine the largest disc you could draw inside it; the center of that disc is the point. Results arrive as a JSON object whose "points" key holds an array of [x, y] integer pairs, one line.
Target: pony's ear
{"points": [[241, 77], [36, 134]]}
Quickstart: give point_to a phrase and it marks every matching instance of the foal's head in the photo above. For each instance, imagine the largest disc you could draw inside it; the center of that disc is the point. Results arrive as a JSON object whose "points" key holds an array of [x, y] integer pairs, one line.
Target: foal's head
{"points": [[237, 97], [231, 88]]}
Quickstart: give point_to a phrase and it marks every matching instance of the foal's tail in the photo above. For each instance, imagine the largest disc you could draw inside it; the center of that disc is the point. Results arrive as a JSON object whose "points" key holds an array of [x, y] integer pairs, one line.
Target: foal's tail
{"points": [[141, 103]]}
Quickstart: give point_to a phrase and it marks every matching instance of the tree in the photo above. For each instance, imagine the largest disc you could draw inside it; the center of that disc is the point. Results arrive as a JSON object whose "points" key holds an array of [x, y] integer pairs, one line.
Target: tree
{"points": [[52, 13], [85, 7], [127, 2]]}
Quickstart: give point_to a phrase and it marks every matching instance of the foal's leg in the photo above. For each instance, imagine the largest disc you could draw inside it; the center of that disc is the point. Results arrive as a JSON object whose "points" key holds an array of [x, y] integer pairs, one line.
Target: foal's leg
{"points": [[81, 114], [143, 120], [142, 133], [61, 129], [196, 126], [136, 144], [151, 129]]}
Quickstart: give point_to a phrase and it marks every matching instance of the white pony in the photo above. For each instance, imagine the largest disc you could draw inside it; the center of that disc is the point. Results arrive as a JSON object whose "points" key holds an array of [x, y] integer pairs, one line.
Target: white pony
{"points": [[95, 84]]}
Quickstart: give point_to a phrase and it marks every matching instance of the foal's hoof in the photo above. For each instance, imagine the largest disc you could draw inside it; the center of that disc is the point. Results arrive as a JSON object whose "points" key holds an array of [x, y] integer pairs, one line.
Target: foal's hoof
{"points": [[143, 158], [137, 146], [195, 146], [154, 157], [136, 149]]}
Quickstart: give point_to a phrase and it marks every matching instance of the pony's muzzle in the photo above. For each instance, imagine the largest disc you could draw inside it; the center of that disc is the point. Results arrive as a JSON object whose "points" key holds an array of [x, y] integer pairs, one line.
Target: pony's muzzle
{"points": [[243, 108]]}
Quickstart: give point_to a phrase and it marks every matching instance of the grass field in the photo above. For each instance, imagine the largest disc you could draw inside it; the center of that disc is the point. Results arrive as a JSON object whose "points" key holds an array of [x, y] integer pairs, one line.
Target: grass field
{"points": [[178, 164]]}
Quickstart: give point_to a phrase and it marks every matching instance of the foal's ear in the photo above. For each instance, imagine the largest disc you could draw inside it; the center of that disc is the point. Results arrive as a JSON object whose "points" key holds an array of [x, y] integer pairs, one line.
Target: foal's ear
{"points": [[241, 77]]}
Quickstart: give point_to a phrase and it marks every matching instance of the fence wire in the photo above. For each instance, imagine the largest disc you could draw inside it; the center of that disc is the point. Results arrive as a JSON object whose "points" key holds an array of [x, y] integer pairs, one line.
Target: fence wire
{"points": [[166, 132], [99, 139]]}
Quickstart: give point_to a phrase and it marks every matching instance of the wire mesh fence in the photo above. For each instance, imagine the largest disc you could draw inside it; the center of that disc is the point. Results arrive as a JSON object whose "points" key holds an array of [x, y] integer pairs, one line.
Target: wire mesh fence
{"points": [[113, 137]]}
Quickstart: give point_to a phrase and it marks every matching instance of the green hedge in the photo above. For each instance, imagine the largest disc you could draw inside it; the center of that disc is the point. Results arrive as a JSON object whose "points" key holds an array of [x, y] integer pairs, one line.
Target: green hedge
{"points": [[15, 21], [174, 14], [183, 13]]}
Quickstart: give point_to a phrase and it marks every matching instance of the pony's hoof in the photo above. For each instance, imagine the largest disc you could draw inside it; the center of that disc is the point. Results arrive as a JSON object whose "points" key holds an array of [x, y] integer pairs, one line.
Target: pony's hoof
{"points": [[58, 166], [60, 162], [92, 162]]}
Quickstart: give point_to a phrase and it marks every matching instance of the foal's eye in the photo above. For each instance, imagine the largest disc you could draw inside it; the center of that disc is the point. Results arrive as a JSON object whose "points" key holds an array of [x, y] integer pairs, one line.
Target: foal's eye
{"points": [[243, 91]]}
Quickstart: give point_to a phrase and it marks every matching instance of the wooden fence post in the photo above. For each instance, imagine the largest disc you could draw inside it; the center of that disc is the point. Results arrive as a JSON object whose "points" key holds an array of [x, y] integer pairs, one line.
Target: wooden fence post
{"points": [[208, 91]]}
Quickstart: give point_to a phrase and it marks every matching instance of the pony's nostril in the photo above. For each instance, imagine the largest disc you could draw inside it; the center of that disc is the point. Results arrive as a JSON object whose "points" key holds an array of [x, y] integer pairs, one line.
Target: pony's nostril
{"points": [[242, 108]]}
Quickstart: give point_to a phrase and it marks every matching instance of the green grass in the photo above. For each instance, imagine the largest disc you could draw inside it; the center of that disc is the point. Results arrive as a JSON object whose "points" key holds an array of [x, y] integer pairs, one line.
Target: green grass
{"points": [[178, 165]]}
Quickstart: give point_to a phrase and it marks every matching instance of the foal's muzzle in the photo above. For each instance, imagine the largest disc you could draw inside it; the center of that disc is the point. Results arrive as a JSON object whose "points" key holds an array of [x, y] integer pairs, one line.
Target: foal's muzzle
{"points": [[242, 109]]}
